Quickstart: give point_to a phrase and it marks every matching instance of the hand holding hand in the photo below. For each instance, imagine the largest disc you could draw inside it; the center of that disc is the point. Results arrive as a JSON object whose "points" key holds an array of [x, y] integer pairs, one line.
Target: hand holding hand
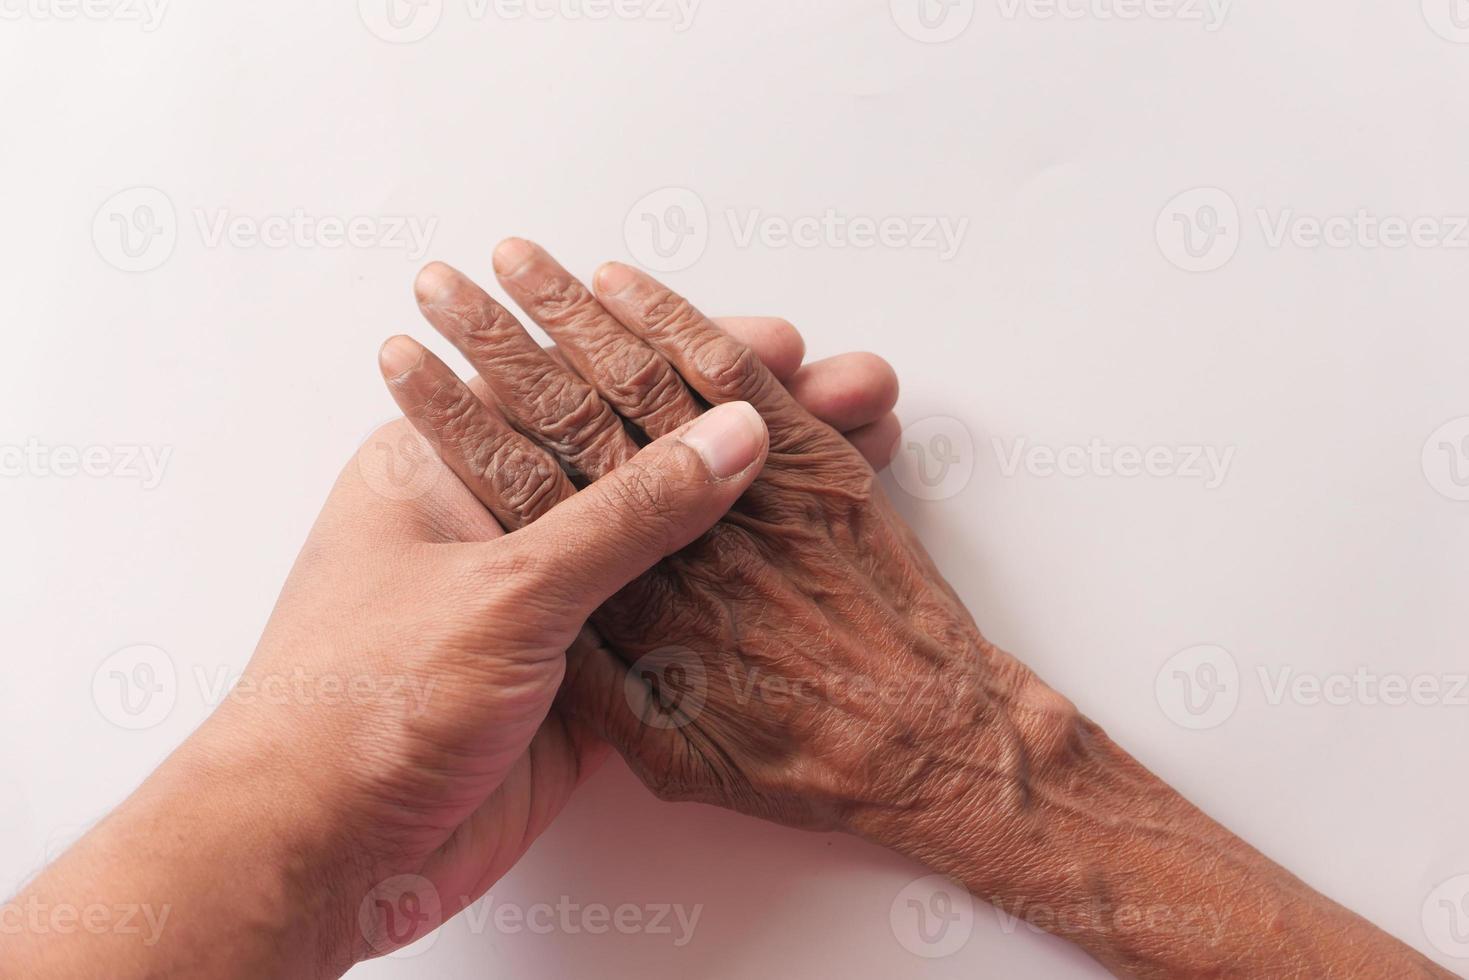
{"points": [[803, 661], [393, 746]]}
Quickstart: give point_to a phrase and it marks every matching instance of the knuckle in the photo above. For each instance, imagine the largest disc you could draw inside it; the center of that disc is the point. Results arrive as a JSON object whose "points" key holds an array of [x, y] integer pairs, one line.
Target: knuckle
{"points": [[574, 417], [641, 381], [527, 482], [482, 322], [563, 301], [668, 313], [731, 370]]}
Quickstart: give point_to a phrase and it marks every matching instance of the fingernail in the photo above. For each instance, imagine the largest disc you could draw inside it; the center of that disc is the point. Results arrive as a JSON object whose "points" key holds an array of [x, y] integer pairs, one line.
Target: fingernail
{"points": [[433, 280], [511, 255], [614, 278], [399, 356], [729, 438]]}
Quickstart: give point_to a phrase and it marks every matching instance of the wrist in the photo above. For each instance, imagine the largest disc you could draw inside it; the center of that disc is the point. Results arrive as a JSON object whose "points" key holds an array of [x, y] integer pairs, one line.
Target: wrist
{"points": [[991, 776], [281, 837], [216, 866], [1069, 833]]}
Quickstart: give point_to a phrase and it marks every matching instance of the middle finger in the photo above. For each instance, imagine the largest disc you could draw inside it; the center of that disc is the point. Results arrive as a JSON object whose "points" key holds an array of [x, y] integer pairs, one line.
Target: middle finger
{"points": [[555, 408], [636, 380]]}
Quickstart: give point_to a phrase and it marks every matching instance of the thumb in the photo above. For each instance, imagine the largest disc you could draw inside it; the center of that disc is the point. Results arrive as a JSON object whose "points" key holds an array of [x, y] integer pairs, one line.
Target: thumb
{"points": [[594, 543]]}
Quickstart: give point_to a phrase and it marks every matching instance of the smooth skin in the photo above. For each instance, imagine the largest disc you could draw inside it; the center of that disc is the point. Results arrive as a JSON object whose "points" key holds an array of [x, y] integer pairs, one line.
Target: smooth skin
{"points": [[419, 753]]}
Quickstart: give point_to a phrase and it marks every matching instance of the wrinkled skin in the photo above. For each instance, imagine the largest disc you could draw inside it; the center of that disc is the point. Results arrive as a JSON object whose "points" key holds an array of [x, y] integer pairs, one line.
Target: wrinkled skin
{"points": [[803, 661]]}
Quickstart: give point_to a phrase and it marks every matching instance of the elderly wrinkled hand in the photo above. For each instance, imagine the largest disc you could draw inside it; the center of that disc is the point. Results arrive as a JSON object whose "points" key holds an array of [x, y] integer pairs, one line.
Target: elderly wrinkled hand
{"points": [[802, 661]]}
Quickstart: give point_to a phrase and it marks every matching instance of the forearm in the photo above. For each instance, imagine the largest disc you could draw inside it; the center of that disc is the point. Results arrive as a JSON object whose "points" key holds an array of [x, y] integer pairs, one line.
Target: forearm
{"points": [[210, 869], [1079, 839]]}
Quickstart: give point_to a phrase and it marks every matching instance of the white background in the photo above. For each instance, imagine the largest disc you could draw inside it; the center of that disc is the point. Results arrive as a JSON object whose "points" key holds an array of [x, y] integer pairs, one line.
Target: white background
{"points": [[1064, 317]]}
